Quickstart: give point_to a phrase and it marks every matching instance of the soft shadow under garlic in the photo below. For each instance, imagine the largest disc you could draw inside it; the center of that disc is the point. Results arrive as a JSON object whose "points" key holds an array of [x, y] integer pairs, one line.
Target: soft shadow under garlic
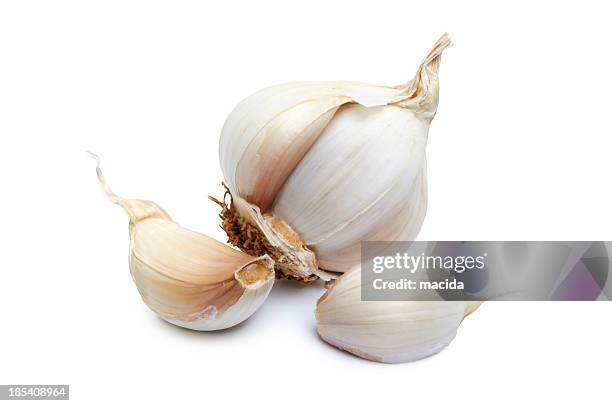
{"points": [[187, 278]]}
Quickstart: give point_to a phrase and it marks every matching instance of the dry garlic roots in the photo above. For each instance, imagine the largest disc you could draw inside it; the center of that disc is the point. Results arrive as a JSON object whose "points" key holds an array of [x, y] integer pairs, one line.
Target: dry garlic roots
{"points": [[314, 168], [187, 278], [387, 332]]}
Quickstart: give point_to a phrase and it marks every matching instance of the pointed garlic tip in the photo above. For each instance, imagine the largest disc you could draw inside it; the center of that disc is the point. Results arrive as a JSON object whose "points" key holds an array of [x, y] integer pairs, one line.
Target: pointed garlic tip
{"points": [[385, 331], [422, 91], [471, 307], [187, 278]]}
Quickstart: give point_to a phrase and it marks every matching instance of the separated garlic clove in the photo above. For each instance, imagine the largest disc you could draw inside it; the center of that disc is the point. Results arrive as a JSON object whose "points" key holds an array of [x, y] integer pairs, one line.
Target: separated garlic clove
{"points": [[334, 163], [188, 278], [386, 331]]}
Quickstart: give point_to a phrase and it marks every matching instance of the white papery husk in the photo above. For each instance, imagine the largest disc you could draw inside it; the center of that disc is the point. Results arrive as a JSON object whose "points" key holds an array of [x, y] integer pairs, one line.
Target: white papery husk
{"points": [[187, 278], [386, 331], [334, 163]]}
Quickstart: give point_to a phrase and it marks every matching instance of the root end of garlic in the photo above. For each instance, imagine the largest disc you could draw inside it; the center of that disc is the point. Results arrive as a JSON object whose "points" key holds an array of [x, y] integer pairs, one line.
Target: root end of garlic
{"points": [[250, 238]]}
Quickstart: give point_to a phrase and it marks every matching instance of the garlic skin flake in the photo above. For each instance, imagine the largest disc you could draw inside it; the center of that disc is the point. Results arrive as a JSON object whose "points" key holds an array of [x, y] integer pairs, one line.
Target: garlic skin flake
{"points": [[389, 332], [188, 278], [336, 162]]}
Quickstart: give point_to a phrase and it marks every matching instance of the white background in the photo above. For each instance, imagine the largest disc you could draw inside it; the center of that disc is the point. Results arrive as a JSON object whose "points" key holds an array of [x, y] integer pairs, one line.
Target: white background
{"points": [[520, 149]]}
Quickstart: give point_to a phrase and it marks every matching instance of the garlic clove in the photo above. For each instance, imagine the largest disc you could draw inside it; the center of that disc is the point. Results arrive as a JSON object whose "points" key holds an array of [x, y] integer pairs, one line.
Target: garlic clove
{"points": [[188, 278], [365, 189], [343, 251], [283, 141], [389, 332]]}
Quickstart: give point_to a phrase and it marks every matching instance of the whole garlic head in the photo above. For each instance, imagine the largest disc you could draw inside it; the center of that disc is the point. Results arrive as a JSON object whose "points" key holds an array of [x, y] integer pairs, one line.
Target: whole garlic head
{"points": [[188, 278], [386, 331], [318, 167]]}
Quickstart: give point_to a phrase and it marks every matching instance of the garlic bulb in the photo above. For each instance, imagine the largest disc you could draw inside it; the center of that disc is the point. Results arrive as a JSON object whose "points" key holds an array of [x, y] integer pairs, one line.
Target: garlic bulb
{"points": [[187, 278], [384, 331], [314, 168]]}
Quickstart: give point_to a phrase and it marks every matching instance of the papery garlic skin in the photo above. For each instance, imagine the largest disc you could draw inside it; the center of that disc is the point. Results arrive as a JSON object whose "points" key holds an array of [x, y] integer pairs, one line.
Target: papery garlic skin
{"points": [[338, 162], [386, 331], [188, 278]]}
